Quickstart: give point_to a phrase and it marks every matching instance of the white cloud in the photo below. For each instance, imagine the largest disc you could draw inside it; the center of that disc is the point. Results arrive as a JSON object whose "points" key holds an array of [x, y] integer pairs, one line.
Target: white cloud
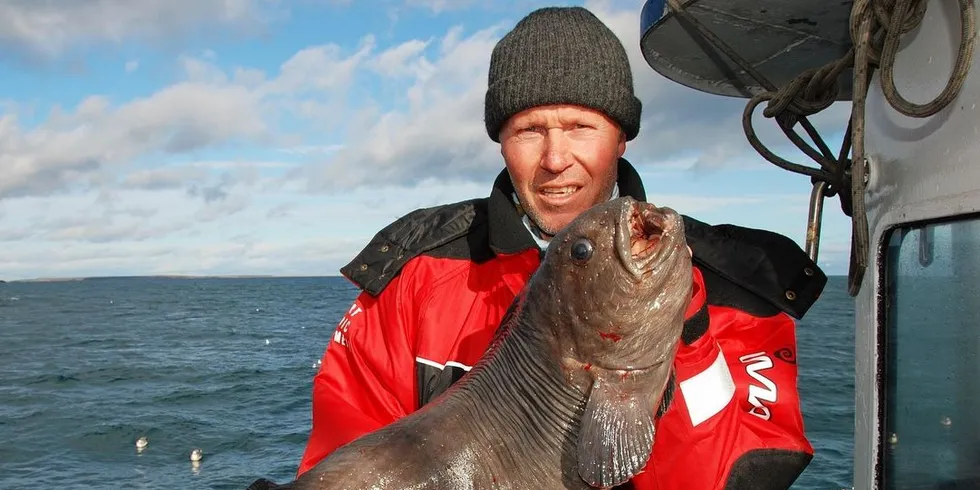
{"points": [[318, 69], [437, 6], [693, 205], [72, 149], [162, 178], [439, 131], [403, 60], [112, 185], [159, 230], [435, 130], [41, 30], [77, 148]]}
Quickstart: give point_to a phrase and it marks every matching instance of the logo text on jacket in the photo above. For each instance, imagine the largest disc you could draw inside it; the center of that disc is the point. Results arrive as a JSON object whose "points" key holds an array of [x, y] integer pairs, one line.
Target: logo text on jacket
{"points": [[340, 333], [755, 363]]}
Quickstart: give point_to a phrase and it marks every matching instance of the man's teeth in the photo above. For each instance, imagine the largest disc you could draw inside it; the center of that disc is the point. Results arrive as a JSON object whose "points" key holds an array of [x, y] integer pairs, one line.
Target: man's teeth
{"points": [[560, 191]]}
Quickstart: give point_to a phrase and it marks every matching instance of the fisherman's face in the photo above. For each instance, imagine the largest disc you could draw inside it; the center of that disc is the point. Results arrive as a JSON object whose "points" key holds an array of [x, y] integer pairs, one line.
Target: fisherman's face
{"points": [[562, 160]]}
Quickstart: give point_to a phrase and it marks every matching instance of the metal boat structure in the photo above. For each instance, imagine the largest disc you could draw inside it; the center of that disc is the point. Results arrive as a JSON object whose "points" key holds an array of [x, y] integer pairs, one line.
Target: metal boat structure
{"points": [[907, 176]]}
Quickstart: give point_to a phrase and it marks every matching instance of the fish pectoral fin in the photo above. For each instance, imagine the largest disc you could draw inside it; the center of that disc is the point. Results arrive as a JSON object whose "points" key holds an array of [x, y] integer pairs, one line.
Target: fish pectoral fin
{"points": [[263, 484], [616, 437]]}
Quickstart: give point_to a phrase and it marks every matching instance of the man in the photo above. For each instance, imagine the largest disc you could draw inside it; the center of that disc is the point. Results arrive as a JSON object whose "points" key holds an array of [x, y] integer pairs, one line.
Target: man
{"points": [[437, 282]]}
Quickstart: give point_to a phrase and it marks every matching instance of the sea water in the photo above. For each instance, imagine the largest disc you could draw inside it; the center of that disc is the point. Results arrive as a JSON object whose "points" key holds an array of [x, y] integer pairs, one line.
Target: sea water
{"points": [[225, 365]]}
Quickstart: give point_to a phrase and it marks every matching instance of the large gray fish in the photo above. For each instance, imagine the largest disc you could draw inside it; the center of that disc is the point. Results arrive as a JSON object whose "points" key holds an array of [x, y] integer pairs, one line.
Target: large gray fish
{"points": [[566, 394]]}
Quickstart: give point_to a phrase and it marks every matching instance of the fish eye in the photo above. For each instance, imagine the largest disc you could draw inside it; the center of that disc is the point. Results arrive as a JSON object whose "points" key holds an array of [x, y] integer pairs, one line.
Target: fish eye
{"points": [[581, 250]]}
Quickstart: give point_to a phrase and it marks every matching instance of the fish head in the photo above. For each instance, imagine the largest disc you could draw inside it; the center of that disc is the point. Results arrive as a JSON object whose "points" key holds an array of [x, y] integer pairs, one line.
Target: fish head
{"points": [[614, 287], [619, 281]]}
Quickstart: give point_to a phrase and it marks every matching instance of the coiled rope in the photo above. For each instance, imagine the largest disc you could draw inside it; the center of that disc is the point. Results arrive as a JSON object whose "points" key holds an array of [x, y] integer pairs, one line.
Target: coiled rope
{"points": [[875, 27]]}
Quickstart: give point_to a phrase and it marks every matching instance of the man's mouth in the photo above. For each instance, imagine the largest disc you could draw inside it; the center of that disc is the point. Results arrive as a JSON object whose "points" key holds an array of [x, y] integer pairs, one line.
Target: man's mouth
{"points": [[559, 191]]}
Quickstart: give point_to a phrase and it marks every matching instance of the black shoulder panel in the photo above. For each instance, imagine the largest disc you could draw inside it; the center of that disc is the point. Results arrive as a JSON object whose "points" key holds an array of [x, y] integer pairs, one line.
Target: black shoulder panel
{"points": [[771, 272], [415, 233], [474, 245]]}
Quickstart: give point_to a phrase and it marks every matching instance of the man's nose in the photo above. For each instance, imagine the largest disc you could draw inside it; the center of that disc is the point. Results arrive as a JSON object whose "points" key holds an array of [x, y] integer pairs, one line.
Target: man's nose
{"points": [[556, 157]]}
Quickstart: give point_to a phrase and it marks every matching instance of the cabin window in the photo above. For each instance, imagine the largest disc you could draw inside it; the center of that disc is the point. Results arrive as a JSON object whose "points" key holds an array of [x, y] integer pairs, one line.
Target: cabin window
{"points": [[931, 367]]}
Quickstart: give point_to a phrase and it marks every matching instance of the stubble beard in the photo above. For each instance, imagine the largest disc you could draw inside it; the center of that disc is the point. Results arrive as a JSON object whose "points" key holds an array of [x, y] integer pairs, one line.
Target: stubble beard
{"points": [[551, 231]]}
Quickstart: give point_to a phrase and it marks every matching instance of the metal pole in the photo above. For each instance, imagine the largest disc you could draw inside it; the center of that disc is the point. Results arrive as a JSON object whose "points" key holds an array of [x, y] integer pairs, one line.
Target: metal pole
{"points": [[815, 219]]}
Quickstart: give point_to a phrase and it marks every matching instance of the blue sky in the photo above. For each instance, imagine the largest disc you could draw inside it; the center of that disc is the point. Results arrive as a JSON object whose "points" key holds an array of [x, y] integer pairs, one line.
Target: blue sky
{"points": [[275, 137]]}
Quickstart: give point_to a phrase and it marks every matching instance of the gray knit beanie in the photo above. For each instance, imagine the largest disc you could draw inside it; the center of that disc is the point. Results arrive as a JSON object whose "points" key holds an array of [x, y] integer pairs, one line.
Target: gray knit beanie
{"points": [[560, 55]]}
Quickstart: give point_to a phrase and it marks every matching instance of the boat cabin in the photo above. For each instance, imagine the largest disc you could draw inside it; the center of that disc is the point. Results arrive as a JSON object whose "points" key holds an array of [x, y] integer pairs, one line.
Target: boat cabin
{"points": [[907, 175]]}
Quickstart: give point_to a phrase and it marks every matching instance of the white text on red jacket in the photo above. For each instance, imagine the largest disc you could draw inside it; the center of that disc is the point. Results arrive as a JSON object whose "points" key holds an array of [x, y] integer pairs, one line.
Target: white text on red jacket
{"points": [[756, 363], [340, 334]]}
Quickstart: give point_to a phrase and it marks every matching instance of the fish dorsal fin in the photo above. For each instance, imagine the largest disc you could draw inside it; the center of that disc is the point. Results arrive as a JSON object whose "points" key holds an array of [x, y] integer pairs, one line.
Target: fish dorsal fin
{"points": [[616, 436]]}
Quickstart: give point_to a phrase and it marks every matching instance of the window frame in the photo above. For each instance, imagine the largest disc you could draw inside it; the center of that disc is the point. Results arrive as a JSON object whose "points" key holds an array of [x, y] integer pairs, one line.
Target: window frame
{"points": [[883, 322]]}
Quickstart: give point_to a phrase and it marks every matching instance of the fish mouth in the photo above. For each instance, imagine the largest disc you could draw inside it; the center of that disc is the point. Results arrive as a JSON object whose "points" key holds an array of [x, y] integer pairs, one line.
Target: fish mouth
{"points": [[620, 371], [642, 369], [645, 236]]}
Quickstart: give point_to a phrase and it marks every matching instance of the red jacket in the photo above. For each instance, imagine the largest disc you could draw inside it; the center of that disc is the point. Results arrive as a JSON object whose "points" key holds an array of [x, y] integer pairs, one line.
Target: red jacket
{"points": [[437, 282]]}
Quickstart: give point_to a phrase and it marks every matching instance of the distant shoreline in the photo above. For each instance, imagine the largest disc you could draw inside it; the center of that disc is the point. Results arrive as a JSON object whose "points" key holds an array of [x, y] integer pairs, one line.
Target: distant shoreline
{"points": [[166, 276]]}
